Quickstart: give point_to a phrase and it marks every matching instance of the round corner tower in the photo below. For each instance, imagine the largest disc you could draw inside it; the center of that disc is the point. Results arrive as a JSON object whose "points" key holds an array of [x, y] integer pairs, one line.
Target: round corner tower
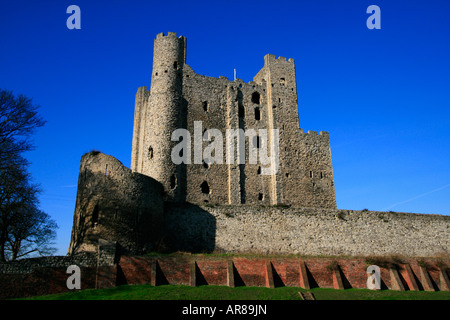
{"points": [[165, 113]]}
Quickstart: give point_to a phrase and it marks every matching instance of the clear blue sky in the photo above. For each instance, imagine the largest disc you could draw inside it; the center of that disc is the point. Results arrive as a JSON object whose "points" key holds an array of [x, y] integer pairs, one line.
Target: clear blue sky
{"points": [[383, 95]]}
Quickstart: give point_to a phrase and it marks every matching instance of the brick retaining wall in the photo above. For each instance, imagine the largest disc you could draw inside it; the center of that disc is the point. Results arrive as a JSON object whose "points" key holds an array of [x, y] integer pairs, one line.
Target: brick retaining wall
{"points": [[209, 270], [48, 275]]}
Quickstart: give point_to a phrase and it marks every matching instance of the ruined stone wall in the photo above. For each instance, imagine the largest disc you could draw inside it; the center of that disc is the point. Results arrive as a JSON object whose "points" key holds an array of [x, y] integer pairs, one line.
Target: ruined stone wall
{"points": [[140, 116], [277, 230], [115, 204]]}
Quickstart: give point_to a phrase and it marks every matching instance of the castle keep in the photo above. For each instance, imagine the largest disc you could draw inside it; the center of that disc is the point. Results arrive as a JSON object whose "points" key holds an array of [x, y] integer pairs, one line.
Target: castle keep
{"points": [[179, 97], [202, 204]]}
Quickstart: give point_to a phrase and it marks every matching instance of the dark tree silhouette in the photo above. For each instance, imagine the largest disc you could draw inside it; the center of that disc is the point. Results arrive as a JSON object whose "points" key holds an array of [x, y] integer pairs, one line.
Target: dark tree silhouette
{"points": [[24, 229]]}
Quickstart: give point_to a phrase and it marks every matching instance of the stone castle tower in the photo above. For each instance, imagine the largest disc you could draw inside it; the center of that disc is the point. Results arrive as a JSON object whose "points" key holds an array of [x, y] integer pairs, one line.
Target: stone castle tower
{"points": [[180, 98], [139, 207], [157, 114]]}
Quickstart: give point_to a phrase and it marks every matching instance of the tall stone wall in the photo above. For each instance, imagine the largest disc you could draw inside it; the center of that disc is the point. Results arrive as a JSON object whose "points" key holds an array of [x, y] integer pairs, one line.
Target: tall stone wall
{"points": [[139, 141], [223, 105], [307, 173], [277, 230]]}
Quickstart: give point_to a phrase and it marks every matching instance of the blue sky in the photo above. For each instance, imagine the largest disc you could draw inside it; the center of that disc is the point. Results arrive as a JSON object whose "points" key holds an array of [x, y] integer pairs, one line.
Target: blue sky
{"points": [[383, 95]]}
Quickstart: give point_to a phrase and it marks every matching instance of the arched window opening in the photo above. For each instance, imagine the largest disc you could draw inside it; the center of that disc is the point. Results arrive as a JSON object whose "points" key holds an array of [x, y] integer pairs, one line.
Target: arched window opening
{"points": [[205, 106], [205, 187]]}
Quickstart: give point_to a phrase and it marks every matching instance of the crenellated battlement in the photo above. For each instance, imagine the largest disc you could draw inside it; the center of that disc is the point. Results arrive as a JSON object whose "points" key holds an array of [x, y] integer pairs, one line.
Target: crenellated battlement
{"points": [[169, 35], [271, 58], [169, 49]]}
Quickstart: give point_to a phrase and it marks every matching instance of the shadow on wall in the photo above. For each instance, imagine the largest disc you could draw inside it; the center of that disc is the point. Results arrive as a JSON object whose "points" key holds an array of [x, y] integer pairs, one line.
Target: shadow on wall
{"points": [[115, 205], [188, 228]]}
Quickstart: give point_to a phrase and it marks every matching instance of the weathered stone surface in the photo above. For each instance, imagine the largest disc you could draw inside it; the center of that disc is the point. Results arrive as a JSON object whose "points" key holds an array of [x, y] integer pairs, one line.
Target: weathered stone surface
{"points": [[25, 266], [307, 231], [117, 205]]}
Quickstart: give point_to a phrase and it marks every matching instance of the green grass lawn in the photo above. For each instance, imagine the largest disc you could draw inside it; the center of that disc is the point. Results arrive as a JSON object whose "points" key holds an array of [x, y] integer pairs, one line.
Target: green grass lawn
{"points": [[181, 292]]}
